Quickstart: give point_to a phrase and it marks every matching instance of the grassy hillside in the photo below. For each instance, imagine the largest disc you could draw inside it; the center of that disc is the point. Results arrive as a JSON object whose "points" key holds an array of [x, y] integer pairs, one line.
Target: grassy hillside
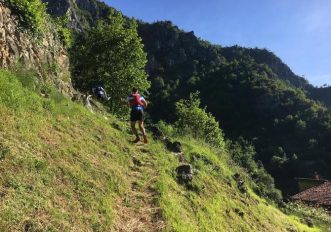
{"points": [[63, 168], [251, 92]]}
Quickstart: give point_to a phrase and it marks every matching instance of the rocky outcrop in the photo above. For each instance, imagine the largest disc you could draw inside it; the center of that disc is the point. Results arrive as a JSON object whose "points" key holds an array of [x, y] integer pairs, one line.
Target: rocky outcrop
{"points": [[57, 8], [174, 146], [44, 54], [184, 174], [82, 13]]}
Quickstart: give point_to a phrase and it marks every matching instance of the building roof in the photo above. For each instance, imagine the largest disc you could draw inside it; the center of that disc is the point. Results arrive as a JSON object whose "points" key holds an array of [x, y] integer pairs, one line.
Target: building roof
{"points": [[320, 195]]}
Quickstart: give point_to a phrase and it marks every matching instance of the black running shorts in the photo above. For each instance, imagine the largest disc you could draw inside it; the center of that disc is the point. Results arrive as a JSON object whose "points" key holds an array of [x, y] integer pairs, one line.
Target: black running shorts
{"points": [[137, 115]]}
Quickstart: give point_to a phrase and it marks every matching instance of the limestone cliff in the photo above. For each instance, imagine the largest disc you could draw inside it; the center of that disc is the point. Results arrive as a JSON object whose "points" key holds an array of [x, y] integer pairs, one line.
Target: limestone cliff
{"points": [[45, 53]]}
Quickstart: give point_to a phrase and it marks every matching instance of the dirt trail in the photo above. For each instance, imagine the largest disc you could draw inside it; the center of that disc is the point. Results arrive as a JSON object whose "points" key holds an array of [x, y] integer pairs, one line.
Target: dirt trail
{"points": [[138, 211]]}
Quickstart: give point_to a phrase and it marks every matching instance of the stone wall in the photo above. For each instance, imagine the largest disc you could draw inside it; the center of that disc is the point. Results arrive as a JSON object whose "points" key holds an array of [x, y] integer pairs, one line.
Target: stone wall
{"points": [[45, 53]]}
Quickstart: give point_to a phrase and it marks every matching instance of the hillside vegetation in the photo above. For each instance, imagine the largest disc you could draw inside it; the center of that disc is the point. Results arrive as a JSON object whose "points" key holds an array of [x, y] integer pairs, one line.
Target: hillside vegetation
{"points": [[66, 169], [214, 115], [250, 91]]}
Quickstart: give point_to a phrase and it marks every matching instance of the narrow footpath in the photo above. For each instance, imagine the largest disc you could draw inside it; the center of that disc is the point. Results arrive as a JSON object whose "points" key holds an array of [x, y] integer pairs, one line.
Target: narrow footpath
{"points": [[138, 210]]}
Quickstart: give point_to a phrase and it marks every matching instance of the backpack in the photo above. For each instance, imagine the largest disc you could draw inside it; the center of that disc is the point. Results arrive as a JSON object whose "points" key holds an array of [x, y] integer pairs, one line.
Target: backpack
{"points": [[135, 100], [100, 93]]}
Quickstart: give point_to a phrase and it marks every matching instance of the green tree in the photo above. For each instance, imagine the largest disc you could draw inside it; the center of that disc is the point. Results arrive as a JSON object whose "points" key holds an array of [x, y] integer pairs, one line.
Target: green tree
{"points": [[111, 54], [195, 120]]}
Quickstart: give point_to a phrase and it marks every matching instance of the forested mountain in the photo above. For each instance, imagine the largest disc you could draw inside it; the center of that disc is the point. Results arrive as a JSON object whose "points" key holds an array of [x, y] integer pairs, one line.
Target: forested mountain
{"points": [[250, 91], [263, 56], [322, 94]]}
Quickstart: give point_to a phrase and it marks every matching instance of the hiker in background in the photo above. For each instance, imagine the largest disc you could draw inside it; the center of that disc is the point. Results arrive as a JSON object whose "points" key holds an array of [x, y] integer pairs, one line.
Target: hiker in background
{"points": [[100, 93], [138, 104]]}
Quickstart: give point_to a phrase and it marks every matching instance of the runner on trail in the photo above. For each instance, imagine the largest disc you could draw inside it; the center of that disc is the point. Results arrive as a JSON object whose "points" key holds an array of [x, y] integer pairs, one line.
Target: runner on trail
{"points": [[138, 104]]}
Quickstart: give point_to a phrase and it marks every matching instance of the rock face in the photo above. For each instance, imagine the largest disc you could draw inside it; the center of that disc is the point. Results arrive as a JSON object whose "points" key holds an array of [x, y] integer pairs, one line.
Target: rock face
{"points": [[58, 7], [45, 54], [82, 13]]}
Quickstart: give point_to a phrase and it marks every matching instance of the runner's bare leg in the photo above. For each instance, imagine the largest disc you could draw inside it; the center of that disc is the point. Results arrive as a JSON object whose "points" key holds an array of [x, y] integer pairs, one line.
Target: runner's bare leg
{"points": [[134, 130], [143, 131]]}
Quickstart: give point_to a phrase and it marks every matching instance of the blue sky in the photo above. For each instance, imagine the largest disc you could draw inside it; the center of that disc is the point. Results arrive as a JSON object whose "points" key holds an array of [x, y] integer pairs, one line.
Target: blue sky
{"points": [[298, 31]]}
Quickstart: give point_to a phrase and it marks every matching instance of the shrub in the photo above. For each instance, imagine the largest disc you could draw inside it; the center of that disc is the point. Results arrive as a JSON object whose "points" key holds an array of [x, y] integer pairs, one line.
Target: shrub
{"points": [[167, 129], [31, 13], [243, 153], [195, 120], [320, 215], [64, 32]]}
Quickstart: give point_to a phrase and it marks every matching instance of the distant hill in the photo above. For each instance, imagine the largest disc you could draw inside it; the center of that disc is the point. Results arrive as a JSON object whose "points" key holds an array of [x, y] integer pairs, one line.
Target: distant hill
{"points": [[250, 91], [322, 94], [263, 56]]}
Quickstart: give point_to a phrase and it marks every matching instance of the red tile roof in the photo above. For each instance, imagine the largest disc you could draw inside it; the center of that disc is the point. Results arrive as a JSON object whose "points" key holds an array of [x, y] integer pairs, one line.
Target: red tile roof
{"points": [[320, 195]]}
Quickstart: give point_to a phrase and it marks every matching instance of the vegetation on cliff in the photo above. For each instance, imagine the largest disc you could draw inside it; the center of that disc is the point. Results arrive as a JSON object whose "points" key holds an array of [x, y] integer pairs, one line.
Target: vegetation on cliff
{"points": [[31, 13]]}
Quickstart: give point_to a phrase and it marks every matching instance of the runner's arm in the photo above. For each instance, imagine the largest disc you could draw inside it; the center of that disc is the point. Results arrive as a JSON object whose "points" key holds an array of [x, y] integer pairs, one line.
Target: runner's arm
{"points": [[144, 102]]}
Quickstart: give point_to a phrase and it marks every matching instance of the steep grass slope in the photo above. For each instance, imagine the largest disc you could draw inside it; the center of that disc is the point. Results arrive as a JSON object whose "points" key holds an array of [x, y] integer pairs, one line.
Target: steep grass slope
{"points": [[63, 168]]}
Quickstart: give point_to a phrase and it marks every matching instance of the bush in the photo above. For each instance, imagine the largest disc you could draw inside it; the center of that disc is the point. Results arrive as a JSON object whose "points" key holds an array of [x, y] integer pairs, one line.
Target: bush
{"points": [[243, 153], [64, 32], [320, 215], [195, 120], [167, 129], [31, 13]]}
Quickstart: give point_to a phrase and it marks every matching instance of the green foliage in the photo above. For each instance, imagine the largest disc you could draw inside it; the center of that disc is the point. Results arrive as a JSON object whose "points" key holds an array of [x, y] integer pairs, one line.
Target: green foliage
{"points": [[195, 120], [54, 166], [158, 83], [166, 128], [316, 215], [268, 58], [111, 54], [250, 91], [15, 98], [64, 32], [31, 13], [244, 154], [278, 162], [27, 77]]}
